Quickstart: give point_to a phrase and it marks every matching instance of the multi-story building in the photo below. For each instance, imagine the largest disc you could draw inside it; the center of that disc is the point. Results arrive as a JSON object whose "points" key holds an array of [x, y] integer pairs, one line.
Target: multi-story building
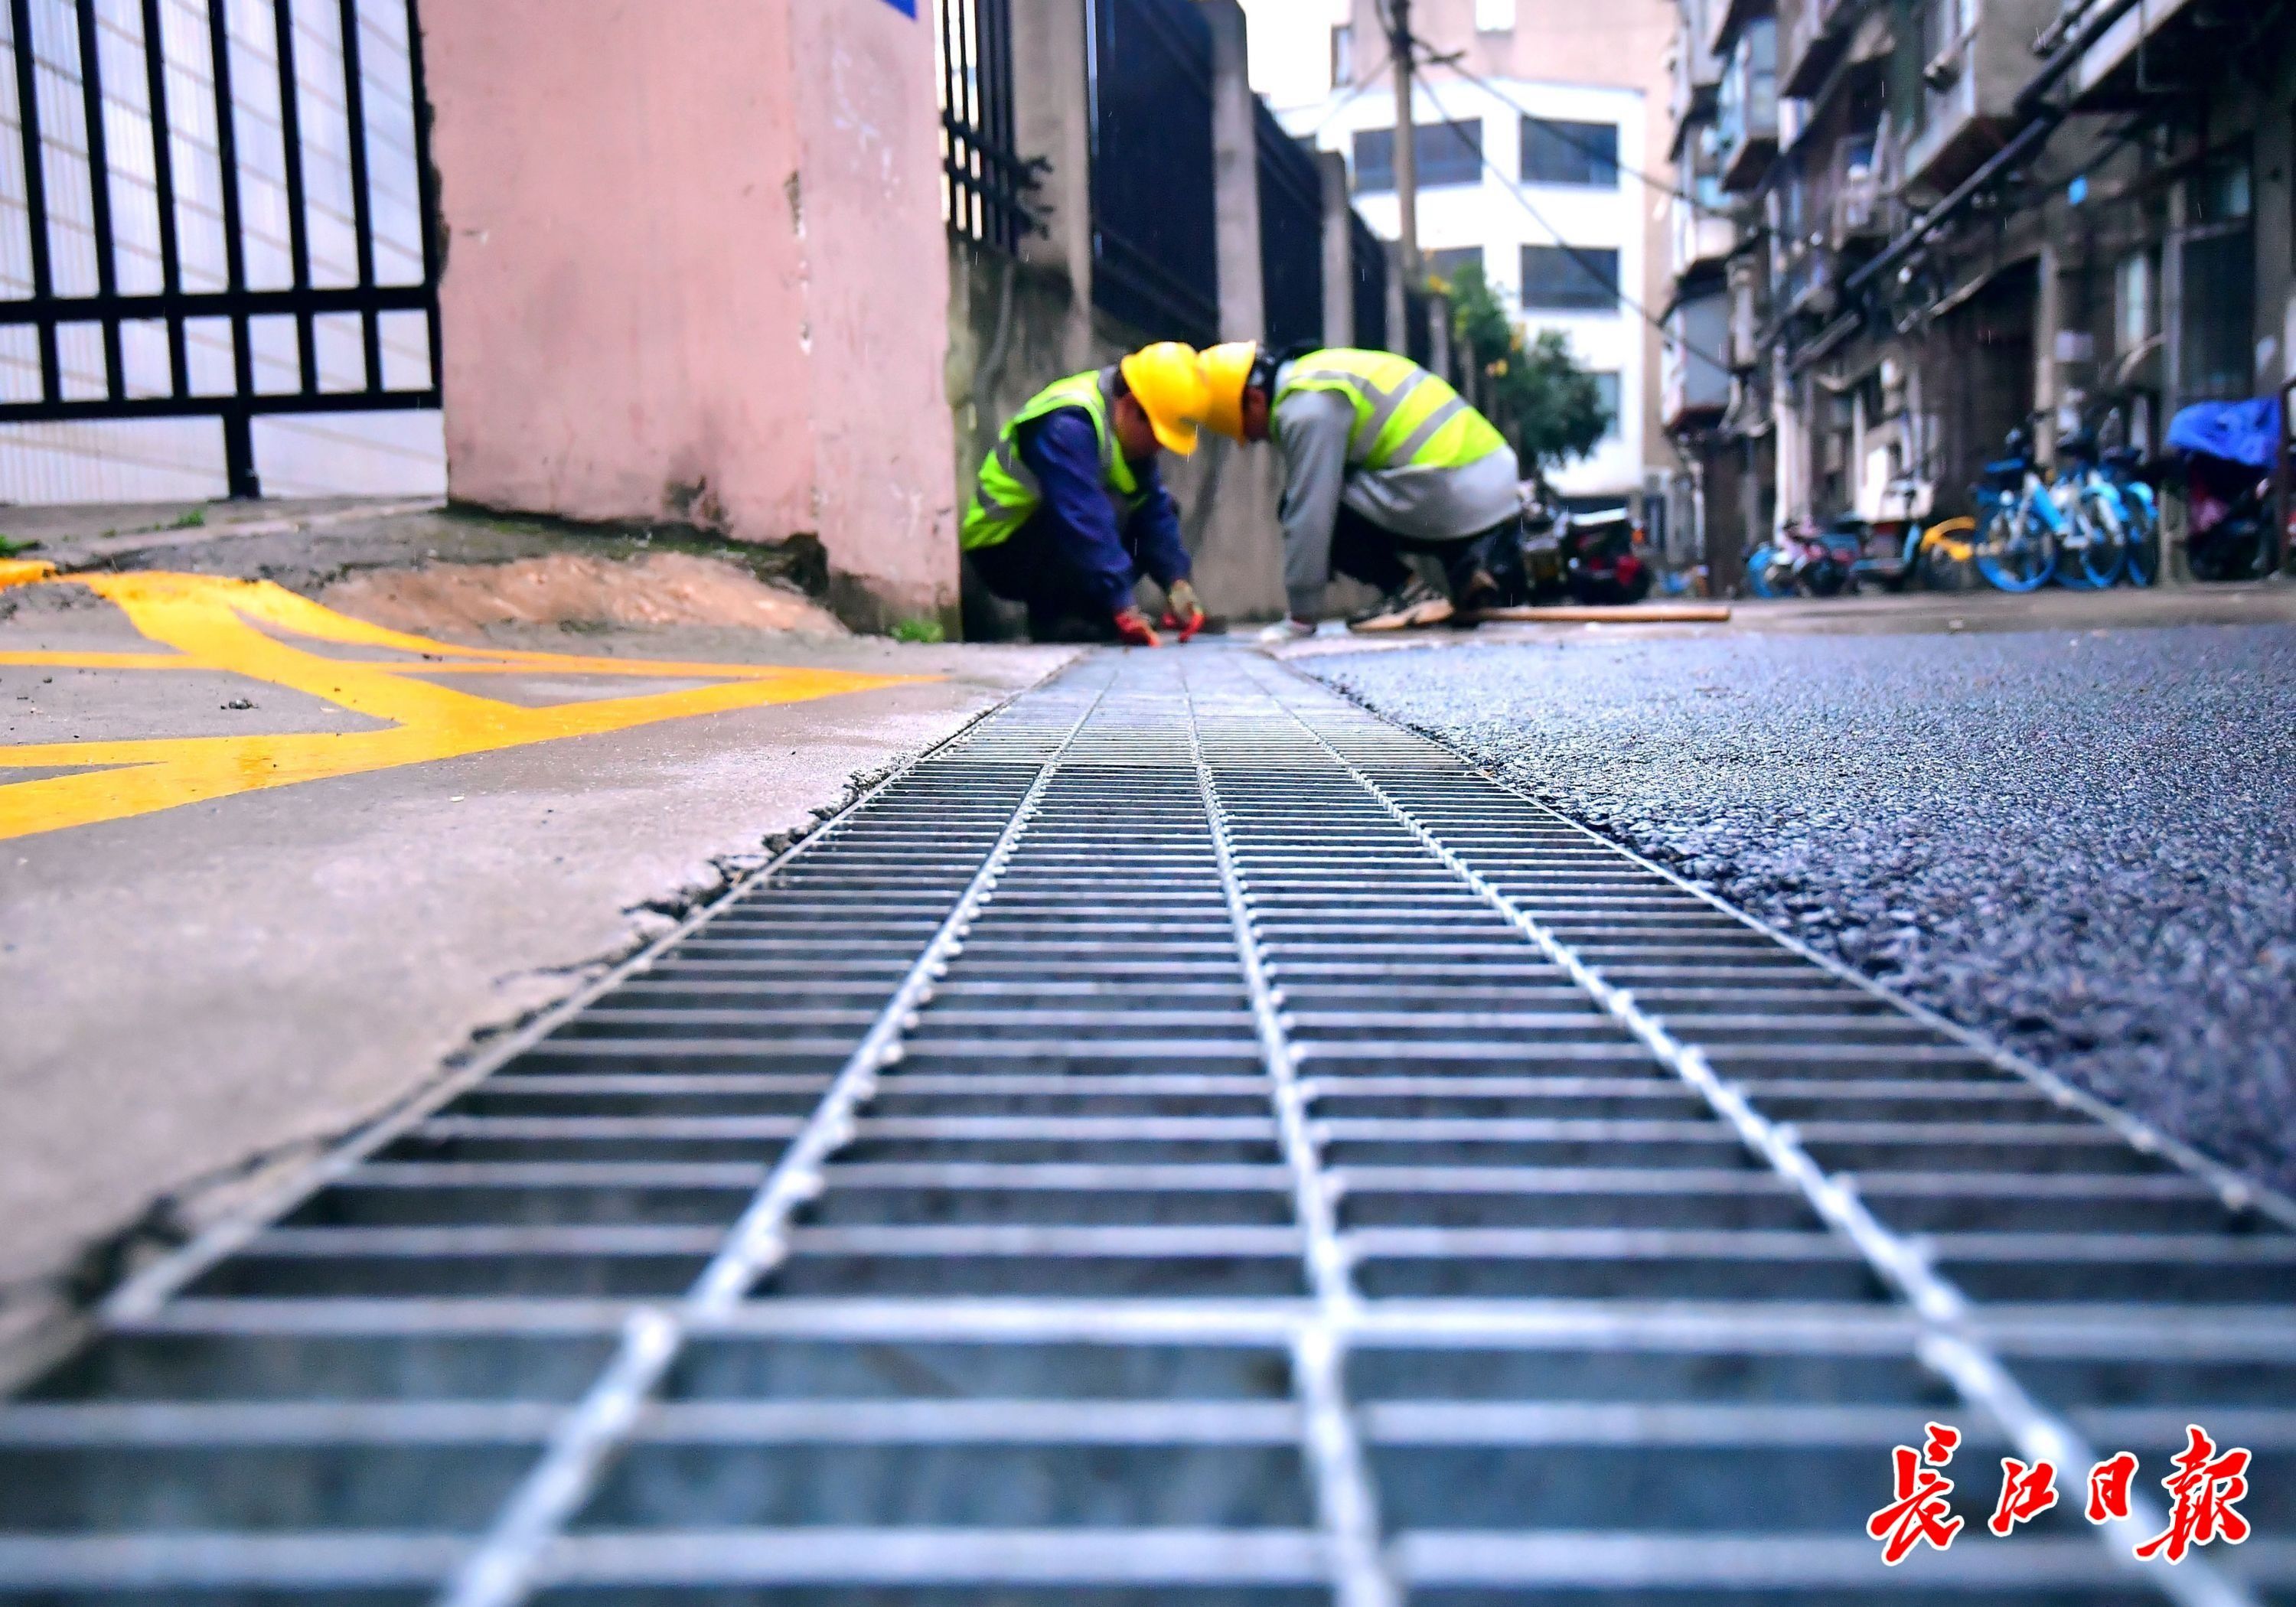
{"points": [[1704, 229], [1945, 218], [1538, 147]]}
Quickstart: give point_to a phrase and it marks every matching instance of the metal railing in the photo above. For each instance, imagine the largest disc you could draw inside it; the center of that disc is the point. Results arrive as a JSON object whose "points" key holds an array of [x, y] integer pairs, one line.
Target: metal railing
{"points": [[1290, 235], [216, 209], [984, 180], [1155, 261]]}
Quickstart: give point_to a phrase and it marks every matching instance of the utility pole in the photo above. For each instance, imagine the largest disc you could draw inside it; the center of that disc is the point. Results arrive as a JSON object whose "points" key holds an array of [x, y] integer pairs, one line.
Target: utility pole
{"points": [[1406, 153]]}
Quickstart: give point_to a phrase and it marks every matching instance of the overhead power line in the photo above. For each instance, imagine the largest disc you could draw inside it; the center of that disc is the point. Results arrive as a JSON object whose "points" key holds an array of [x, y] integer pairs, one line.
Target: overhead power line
{"points": [[1556, 131], [1362, 83], [1585, 264]]}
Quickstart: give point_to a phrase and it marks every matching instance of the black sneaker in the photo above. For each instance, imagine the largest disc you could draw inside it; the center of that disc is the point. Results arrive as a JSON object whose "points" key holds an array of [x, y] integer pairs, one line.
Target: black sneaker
{"points": [[1417, 604]]}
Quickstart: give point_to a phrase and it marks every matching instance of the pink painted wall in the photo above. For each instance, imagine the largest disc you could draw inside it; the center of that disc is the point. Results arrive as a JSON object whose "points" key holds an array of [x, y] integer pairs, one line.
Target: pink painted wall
{"points": [[877, 292], [700, 245]]}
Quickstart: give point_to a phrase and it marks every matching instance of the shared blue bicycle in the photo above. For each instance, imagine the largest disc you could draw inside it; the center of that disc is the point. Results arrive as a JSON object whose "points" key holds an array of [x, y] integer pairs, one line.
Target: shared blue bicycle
{"points": [[2120, 469], [2020, 524], [2093, 543], [2094, 525]]}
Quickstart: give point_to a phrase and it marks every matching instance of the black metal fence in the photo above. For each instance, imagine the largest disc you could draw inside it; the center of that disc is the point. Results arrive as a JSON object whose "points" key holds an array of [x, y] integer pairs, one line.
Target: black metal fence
{"points": [[1155, 262], [1370, 256], [984, 181], [1291, 233], [1418, 342], [227, 211]]}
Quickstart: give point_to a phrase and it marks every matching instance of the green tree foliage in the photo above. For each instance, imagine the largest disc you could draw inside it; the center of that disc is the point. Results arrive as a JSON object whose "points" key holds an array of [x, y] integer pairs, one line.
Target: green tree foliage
{"points": [[1545, 403]]}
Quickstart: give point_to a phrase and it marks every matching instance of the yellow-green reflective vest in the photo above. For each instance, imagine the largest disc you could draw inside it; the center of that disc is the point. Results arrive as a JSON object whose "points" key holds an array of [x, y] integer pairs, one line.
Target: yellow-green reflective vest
{"points": [[1405, 417], [1006, 492]]}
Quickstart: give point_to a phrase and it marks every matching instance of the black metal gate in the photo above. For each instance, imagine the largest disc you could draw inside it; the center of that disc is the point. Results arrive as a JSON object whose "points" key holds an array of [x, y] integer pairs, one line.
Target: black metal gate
{"points": [[1155, 262], [1291, 233], [1371, 286], [228, 210], [983, 180], [1418, 341]]}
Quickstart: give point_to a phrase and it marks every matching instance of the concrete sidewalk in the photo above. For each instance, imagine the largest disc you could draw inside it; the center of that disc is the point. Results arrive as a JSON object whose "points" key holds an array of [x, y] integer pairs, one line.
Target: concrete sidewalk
{"points": [[210, 973]]}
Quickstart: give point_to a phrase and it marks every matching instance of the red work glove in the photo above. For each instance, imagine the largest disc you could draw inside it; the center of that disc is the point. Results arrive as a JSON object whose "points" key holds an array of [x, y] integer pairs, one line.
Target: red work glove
{"points": [[1182, 611], [1132, 627]]}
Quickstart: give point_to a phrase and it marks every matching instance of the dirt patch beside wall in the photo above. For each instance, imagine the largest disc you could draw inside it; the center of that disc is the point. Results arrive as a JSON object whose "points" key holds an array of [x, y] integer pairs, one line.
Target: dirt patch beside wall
{"points": [[566, 589]]}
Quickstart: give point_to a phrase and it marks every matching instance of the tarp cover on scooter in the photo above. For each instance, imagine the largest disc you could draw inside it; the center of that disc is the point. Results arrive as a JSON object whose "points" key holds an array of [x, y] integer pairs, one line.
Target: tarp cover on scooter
{"points": [[2239, 433]]}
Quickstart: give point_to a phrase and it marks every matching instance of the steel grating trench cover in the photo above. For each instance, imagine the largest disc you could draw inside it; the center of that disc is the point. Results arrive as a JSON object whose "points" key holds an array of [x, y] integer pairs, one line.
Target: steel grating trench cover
{"points": [[1186, 1140]]}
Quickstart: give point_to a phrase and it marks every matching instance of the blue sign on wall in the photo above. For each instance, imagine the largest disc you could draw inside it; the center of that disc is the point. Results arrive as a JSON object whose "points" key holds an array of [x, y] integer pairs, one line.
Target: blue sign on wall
{"points": [[907, 8]]}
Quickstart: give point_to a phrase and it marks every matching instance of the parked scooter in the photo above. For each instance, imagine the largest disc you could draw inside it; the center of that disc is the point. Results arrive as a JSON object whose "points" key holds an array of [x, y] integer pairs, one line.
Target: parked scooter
{"points": [[2229, 536], [1899, 552], [2229, 450], [1808, 560], [1587, 558]]}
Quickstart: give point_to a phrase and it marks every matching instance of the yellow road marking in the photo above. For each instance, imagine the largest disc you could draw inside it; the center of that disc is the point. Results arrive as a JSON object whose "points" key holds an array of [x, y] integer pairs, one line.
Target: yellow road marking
{"points": [[212, 623]]}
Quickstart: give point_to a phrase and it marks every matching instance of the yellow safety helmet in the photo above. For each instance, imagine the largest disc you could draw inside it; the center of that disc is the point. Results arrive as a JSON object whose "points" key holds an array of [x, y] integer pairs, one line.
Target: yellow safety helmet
{"points": [[1168, 381], [1227, 370]]}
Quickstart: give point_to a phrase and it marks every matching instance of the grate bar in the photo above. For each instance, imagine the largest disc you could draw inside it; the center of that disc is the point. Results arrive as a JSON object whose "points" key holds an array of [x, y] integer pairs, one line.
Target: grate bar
{"points": [[1950, 1344], [1182, 1139], [1346, 1505], [502, 1570]]}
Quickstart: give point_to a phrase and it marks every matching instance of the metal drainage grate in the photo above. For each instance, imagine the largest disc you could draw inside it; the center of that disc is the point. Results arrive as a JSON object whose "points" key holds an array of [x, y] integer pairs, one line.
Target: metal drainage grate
{"points": [[1185, 1142]]}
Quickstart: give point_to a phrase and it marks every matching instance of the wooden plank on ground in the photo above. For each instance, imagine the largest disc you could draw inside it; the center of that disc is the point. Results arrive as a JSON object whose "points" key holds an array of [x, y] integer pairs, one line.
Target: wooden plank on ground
{"points": [[1635, 613]]}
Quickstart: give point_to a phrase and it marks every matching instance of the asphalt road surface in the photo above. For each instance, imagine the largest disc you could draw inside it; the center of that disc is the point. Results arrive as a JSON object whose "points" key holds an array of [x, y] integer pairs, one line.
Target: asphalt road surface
{"points": [[2081, 842]]}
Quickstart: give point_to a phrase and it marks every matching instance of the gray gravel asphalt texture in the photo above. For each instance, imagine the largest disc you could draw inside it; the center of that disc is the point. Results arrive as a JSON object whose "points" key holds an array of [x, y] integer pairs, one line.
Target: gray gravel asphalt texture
{"points": [[2084, 846]]}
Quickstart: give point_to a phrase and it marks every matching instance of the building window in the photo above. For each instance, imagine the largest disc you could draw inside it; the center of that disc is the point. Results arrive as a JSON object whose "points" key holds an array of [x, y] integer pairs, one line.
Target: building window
{"points": [[1494, 16], [1448, 153], [1607, 386], [2135, 306], [1444, 265], [2218, 360], [1556, 153], [1706, 170], [2216, 292], [1343, 55], [1574, 279], [2225, 193]]}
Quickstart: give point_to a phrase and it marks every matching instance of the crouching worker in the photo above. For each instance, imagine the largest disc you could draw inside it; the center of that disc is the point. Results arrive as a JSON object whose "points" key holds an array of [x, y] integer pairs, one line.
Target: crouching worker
{"points": [[1070, 510], [1381, 459]]}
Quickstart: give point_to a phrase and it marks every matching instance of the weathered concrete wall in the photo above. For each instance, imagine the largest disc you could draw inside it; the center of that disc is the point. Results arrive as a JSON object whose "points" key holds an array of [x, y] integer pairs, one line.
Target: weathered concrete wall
{"points": [[683, 276], [1226, 493], [876, 320]]}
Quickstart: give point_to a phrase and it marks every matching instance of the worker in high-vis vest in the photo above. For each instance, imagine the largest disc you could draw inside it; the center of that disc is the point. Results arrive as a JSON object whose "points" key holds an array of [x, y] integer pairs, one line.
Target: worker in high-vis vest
{"points": [[1069, 511], [1382, 459]]}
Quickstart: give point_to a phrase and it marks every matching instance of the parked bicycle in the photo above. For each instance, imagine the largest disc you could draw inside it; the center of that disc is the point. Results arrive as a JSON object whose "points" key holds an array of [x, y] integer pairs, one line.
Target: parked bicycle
{"points": [[2019, 524], [2123, 468], [2094, 531]]}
